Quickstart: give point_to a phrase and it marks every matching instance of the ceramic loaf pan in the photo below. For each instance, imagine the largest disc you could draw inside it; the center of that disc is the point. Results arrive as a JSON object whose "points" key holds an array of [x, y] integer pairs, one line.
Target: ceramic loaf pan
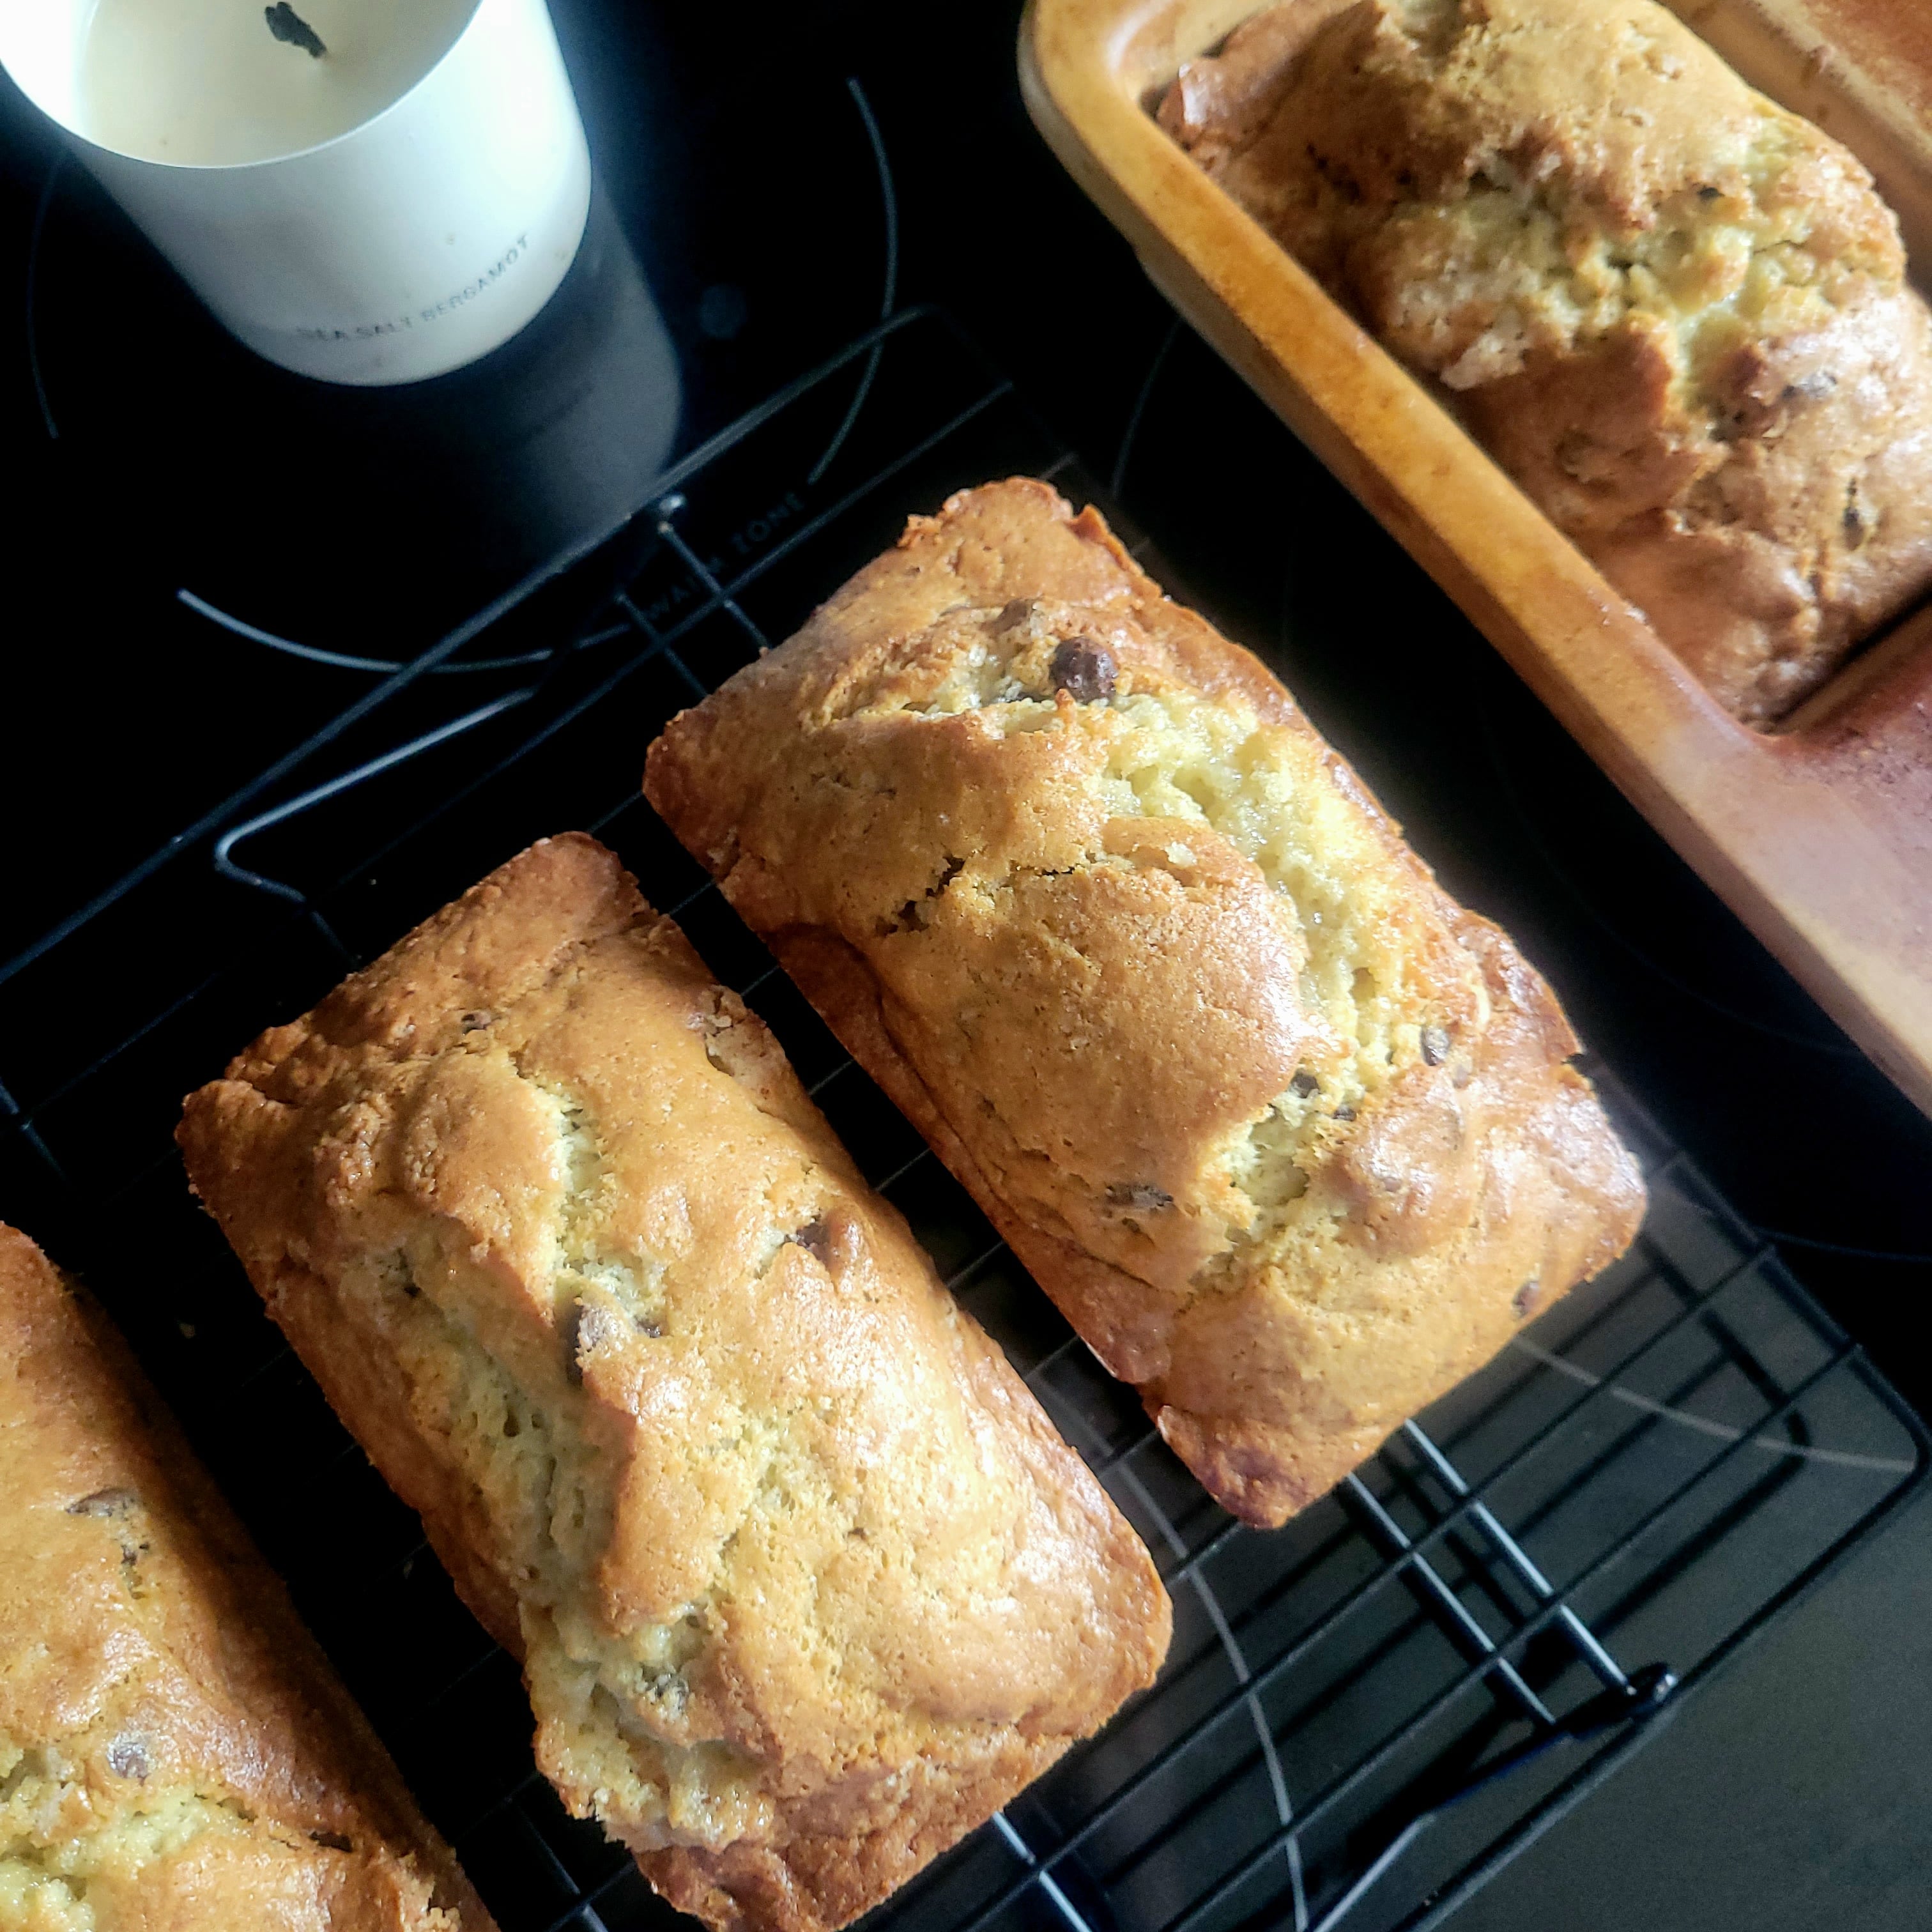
{"points": [[1820, 836]]}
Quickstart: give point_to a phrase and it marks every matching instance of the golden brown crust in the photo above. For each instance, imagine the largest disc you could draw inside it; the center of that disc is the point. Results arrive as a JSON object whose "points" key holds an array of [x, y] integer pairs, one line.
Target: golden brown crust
{"points": [[805, 1584], [1675, 313], [176, 1752], [1288, 1135]]}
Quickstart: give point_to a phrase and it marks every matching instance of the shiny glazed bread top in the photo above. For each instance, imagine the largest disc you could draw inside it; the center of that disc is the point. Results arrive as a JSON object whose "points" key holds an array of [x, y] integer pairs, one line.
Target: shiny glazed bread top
{"points": [[1287, 1133], [173, 1751], [1675, 312], [804, 1583]]}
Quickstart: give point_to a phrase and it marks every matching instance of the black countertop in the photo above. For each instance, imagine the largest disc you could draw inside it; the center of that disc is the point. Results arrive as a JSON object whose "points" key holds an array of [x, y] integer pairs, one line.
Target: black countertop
{"points": [[738, 170], [1794, 1792]]}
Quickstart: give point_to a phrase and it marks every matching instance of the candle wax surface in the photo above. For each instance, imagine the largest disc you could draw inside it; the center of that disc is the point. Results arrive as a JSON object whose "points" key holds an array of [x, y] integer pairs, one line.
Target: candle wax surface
{"points": [[205, 83]]}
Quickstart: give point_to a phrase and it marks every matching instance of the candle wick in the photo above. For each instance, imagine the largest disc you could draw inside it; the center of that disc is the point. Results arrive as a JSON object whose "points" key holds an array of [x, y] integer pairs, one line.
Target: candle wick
{"points": [[286, 24]]}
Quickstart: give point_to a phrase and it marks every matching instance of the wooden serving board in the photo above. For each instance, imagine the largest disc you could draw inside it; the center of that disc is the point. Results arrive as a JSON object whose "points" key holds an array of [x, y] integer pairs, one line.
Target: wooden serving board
{"points": [[1820, 836]]}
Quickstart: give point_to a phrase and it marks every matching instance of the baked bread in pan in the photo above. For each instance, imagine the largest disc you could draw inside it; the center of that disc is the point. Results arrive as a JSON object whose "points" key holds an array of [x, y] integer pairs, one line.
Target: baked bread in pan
{"points": [[174, 1753], [804, 1583], [1288, 1135], [1675, 312]]}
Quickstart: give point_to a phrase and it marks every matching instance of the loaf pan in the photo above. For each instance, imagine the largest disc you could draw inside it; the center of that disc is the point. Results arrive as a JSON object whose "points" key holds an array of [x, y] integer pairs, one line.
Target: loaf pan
{"points": [[1819, 835]]}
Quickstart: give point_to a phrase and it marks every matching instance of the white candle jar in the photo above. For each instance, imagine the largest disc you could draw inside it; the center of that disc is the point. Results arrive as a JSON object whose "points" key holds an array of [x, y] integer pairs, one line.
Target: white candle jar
{"points": [[418, 240]]}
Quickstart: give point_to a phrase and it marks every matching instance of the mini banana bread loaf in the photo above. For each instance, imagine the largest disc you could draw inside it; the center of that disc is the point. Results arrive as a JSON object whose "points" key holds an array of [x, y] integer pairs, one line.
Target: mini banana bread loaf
{"points": [[1287, 1135], [1675, 313], [804, 1583], [174, 1752]]}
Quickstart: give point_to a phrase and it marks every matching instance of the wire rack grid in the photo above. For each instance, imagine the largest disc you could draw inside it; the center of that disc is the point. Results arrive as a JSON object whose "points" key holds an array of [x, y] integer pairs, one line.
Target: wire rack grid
{"points": [[1363, 1714]]}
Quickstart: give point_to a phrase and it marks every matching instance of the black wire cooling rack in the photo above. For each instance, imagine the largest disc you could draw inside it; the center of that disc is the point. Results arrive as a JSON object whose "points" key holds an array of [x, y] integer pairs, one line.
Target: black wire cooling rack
{"points": [[1363, 1714]]}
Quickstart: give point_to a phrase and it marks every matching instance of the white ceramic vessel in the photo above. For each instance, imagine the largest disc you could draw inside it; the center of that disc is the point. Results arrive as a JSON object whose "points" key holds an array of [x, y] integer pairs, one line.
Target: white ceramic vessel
{"points": [[413, 243]]}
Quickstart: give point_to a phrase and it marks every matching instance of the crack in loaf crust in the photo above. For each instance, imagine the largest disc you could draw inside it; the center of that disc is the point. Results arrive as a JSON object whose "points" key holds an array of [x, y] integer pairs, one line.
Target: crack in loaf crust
{"points": [[1287, 1135], [174, 1751], [1676, 313], [804, 1583]]}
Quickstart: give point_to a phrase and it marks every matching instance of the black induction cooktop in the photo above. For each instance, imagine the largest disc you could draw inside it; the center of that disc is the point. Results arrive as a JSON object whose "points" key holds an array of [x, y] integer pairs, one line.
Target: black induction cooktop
{"points": [[207, 559]]}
